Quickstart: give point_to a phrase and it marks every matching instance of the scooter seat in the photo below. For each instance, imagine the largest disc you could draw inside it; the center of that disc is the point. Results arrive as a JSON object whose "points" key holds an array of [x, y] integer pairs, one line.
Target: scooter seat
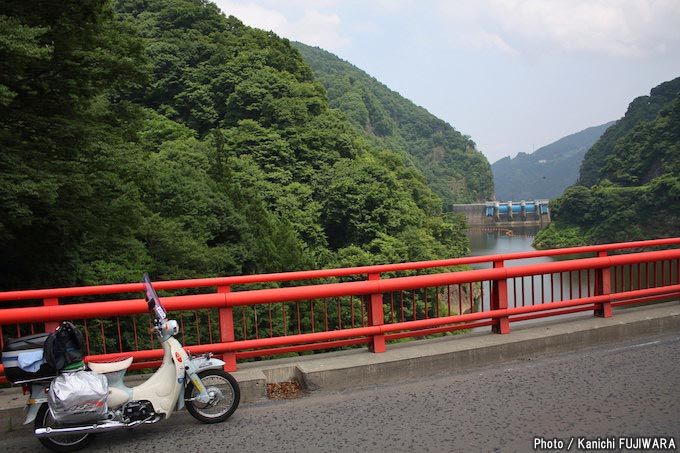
{"points": [[110, 367]]}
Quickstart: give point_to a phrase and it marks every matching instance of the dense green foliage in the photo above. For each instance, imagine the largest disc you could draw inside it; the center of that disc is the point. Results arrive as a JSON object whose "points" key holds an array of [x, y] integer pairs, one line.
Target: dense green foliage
{"points": [[548, 171], [454, 169], [637, 193], [162, 136], [643, 109], [65, 167]]}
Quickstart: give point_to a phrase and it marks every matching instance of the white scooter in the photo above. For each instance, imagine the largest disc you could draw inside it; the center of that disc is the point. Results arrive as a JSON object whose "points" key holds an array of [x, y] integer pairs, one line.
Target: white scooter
{"points": [[209, 393]]}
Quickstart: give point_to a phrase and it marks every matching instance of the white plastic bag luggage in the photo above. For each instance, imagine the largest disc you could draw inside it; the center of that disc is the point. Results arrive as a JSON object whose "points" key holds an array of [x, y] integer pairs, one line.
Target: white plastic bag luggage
{"points": [[78, 396]]}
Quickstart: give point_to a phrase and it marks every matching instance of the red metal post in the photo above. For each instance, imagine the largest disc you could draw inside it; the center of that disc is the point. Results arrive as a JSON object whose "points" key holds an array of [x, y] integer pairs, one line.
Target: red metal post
{"points": [[499, 301], [376, 318], [227, 331], [602, 288], [51, 326]]}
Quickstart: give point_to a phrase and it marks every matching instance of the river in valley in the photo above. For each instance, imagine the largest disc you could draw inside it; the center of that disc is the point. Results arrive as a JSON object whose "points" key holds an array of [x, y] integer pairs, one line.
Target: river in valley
{"points": [[569, 285], [500, 241], [527, 290]]}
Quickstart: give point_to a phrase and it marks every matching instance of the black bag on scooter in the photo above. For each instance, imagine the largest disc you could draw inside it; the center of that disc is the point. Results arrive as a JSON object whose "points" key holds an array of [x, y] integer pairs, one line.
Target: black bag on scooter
{"points": [[64, 348]]}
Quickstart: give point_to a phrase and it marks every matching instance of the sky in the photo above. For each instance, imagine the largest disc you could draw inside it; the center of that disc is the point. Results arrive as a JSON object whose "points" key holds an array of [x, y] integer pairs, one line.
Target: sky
{"points": [[514, 75]]}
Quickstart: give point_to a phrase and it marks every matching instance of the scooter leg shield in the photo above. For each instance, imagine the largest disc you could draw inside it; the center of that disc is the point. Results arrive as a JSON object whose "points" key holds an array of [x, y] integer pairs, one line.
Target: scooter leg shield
{"points": [[117, 397]]}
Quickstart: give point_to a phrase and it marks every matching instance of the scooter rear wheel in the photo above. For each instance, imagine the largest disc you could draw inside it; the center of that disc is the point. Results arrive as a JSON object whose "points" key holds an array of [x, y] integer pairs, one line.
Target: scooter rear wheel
{"points": [[62, 442], [225, 397]]}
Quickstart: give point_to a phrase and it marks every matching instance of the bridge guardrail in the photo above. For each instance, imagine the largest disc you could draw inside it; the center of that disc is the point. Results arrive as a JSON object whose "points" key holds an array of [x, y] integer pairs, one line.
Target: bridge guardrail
{"points": [[255, 323]]}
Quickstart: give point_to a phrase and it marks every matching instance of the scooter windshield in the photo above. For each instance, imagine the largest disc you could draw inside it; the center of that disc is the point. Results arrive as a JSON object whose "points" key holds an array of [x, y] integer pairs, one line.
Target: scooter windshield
{"points": [[153, 301]]}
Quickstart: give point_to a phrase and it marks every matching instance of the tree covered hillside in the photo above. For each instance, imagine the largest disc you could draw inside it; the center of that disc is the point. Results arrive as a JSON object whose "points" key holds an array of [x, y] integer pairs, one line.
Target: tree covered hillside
{"points": [[548, 171], [162, 136], [633, 176], [644, 109], [454, 169]]}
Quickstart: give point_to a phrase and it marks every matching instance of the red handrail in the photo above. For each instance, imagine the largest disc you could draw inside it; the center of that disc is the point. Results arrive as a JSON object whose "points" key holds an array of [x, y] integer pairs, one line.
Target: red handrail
{"points": [[377, 329], [324, 273]]}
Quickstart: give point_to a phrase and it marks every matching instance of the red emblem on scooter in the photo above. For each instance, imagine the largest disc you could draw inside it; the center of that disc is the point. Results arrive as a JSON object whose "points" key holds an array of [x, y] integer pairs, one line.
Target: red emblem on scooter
{"points": [[178, 357]]}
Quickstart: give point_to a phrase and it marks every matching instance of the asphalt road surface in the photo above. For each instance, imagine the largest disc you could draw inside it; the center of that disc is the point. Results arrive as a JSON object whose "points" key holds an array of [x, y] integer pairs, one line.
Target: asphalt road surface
{"points": [[615, 392]]}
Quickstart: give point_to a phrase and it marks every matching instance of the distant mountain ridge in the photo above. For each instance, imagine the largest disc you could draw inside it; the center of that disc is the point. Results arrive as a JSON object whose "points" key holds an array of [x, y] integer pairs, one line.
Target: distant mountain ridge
{"points": [[548, 171], [449, 160]]}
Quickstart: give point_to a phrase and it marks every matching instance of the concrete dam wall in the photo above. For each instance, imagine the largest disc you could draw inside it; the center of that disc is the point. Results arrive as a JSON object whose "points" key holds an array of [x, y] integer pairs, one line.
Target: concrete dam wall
{"points": [[505, 214]]}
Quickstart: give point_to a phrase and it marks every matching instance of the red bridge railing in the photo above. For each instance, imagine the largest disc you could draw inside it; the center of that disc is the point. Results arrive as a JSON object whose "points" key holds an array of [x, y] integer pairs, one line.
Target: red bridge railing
{"points": [[245, 317]]}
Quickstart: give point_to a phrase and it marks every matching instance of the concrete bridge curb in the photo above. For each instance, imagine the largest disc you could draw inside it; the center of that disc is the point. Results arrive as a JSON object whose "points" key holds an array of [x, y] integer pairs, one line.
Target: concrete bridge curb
{"points": [[346, 370]]}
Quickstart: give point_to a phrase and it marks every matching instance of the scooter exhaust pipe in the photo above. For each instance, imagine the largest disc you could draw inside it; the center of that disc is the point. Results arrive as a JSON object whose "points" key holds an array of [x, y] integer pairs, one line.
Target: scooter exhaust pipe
{"points": [[96, 428]]}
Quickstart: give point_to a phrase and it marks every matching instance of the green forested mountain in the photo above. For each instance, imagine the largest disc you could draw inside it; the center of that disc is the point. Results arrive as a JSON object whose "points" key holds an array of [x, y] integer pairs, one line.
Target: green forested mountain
{"points": [[162, 136], [597, 163], [629, 185], [548, 171], [453, 167]]}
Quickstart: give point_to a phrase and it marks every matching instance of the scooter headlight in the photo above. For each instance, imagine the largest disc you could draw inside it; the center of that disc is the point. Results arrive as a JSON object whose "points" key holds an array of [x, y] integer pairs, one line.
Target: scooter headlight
{"points": [[170, 327]]}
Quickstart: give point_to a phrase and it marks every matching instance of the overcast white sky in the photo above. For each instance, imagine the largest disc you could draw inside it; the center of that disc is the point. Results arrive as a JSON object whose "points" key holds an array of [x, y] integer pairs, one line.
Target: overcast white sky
{"points": [[514, 75]]}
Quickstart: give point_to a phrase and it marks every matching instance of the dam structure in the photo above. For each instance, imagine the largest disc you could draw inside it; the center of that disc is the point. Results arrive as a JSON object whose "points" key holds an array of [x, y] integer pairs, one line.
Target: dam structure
{"points": [[505, 214]]}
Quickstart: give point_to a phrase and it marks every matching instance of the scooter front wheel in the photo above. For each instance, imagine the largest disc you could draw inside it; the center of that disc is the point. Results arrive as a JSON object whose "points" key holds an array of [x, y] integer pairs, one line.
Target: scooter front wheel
{"points": [[224, 392], [61, 442]]}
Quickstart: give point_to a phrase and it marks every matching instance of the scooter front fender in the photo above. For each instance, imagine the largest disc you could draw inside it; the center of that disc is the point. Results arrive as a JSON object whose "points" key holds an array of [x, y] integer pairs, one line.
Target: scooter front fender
{"points": [[195, 366]]}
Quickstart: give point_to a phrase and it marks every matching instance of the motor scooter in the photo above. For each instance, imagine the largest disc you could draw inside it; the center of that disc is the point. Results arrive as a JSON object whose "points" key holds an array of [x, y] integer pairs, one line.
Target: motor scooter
{"points": [[198, 383]]}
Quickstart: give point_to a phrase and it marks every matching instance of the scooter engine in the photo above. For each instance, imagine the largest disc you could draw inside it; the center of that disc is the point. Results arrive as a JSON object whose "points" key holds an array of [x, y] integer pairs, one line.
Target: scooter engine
{"points": [[138, 411]]}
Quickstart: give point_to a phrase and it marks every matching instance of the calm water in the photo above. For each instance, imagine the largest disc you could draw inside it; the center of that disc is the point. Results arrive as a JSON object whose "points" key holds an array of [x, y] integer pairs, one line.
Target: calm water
{"points": [[556, 287], [506, 241]]}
